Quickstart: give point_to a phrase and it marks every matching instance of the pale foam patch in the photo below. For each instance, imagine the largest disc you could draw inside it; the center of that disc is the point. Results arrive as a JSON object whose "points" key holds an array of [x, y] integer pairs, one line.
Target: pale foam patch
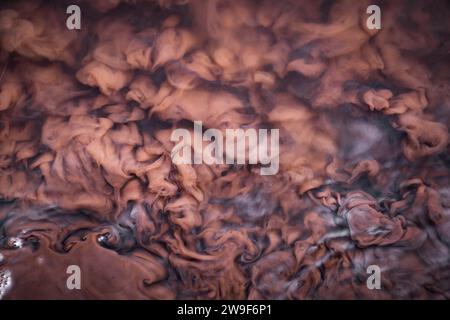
{"points": [[5, 282]]}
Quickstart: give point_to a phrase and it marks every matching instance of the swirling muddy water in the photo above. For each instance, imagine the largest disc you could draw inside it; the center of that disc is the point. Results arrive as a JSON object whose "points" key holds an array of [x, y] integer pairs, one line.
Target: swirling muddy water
{"points": [[87, 178]]}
